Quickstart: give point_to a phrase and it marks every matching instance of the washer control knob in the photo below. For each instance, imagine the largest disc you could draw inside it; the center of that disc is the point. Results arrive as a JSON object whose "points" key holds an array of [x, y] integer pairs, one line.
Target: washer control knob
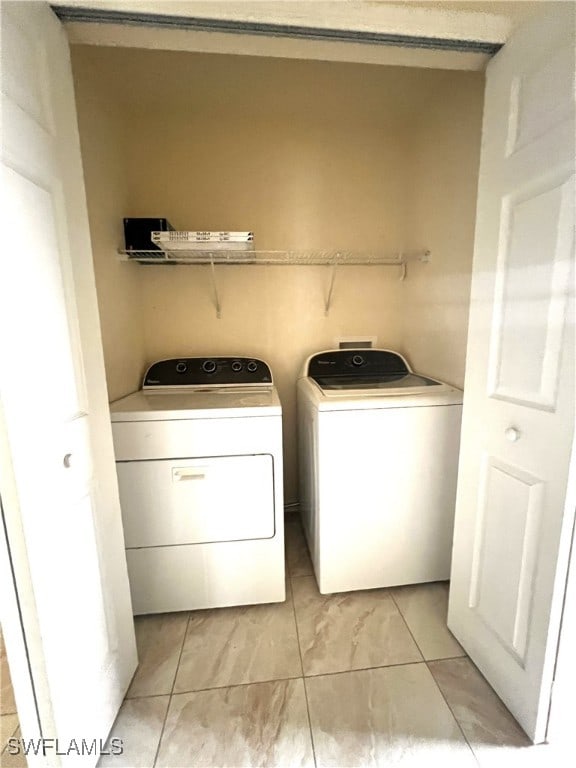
{"points": [[358, 360], [236, 366], [209, 366], [181, 367], [252, 366]]}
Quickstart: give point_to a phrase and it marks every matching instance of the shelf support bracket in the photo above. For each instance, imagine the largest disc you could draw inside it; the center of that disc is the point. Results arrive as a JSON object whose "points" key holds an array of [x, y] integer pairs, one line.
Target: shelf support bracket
{"points": [[402, 268], [215, 288], [328, 302]]}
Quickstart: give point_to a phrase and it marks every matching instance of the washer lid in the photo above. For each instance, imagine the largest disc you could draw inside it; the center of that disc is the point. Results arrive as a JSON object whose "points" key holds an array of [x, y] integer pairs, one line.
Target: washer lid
{"points": [[393, 381], [377, 399], [371, 377]]}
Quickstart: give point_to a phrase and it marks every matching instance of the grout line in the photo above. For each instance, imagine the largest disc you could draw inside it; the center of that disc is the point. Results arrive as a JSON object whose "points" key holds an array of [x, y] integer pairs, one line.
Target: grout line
{"points": [[450, 708], [366, 669], [391, 593], [162, 731], [238, 685], [441, 658], [449, 658], [297, 632], [425, 660], [172, 691], [310, 722], [147, 696], [291, 677], [11, 736], [303, 678], [181, 652]]}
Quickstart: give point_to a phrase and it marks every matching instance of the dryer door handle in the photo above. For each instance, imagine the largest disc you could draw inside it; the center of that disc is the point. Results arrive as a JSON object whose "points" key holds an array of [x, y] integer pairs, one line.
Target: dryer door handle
{"points": [[188, 473]]}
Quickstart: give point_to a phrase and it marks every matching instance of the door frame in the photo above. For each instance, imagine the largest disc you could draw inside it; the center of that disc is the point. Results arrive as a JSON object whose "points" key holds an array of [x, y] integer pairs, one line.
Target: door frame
{"points": [[398, 35], [19, 617], [560, 729]]}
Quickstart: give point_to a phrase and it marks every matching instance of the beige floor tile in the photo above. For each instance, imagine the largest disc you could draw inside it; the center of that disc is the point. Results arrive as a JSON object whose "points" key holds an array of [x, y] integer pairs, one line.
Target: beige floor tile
{"points": [[7, 703], [492, 732], [425, 608], [384, 717], [298, 561], [8, 726], [247, 644], [264, 724], [8, 760], [159, 639], [352, 630], [139, 726]]}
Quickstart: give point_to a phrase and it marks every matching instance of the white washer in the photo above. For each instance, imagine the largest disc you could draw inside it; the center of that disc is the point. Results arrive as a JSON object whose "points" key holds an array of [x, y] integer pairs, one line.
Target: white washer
{"points": [[378, 466], [199, 461]]}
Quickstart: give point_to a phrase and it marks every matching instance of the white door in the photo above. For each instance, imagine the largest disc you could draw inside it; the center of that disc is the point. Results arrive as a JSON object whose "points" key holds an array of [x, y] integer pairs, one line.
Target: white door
{"points": [[62, 508], [513, 526]]}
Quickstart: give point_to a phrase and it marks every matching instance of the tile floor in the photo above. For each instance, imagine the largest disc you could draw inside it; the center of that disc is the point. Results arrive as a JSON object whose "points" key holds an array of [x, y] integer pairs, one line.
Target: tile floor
{"points": [[9, 725], [357, 679]]}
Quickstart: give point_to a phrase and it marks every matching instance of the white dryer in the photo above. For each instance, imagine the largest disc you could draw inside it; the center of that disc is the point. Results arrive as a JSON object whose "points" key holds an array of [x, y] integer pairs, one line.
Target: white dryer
{"points": [[378, 447], [199, 461]]}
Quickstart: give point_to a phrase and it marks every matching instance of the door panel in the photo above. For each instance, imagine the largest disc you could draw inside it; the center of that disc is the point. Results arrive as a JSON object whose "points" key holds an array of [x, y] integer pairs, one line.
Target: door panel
{"points": [[509, 522], [513, 523], [25, 78], [28, 201], [63, 493], [541, 98], [195, 501], [531, 294]]}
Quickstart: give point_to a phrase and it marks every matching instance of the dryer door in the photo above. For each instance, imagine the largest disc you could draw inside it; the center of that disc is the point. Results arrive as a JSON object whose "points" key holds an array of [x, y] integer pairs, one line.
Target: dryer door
{"points": [[196, 501]]}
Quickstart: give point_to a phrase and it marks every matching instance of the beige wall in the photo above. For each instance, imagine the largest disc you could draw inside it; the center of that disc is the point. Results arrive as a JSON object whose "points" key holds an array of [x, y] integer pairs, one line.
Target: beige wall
{"points": [[443, 171], [308, 155], [103, 127]]}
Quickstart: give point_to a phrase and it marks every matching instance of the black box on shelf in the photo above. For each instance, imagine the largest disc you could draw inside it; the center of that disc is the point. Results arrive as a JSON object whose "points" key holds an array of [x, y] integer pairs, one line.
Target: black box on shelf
{"points": [[137, 233]]}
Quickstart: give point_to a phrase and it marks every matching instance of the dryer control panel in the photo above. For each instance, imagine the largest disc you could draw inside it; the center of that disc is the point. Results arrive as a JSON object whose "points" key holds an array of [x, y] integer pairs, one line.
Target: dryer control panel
{"points": [[208, 372]]}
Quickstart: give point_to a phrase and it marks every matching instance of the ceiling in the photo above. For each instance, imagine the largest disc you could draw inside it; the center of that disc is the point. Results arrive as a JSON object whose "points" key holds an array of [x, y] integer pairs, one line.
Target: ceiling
{"points": [[233, 27], [456, 18], [515, 12]]}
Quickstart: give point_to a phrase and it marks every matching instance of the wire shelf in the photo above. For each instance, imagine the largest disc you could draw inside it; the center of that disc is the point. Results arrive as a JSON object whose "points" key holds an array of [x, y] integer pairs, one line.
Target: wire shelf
{"points": [[276, 258], [332, 259]]}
